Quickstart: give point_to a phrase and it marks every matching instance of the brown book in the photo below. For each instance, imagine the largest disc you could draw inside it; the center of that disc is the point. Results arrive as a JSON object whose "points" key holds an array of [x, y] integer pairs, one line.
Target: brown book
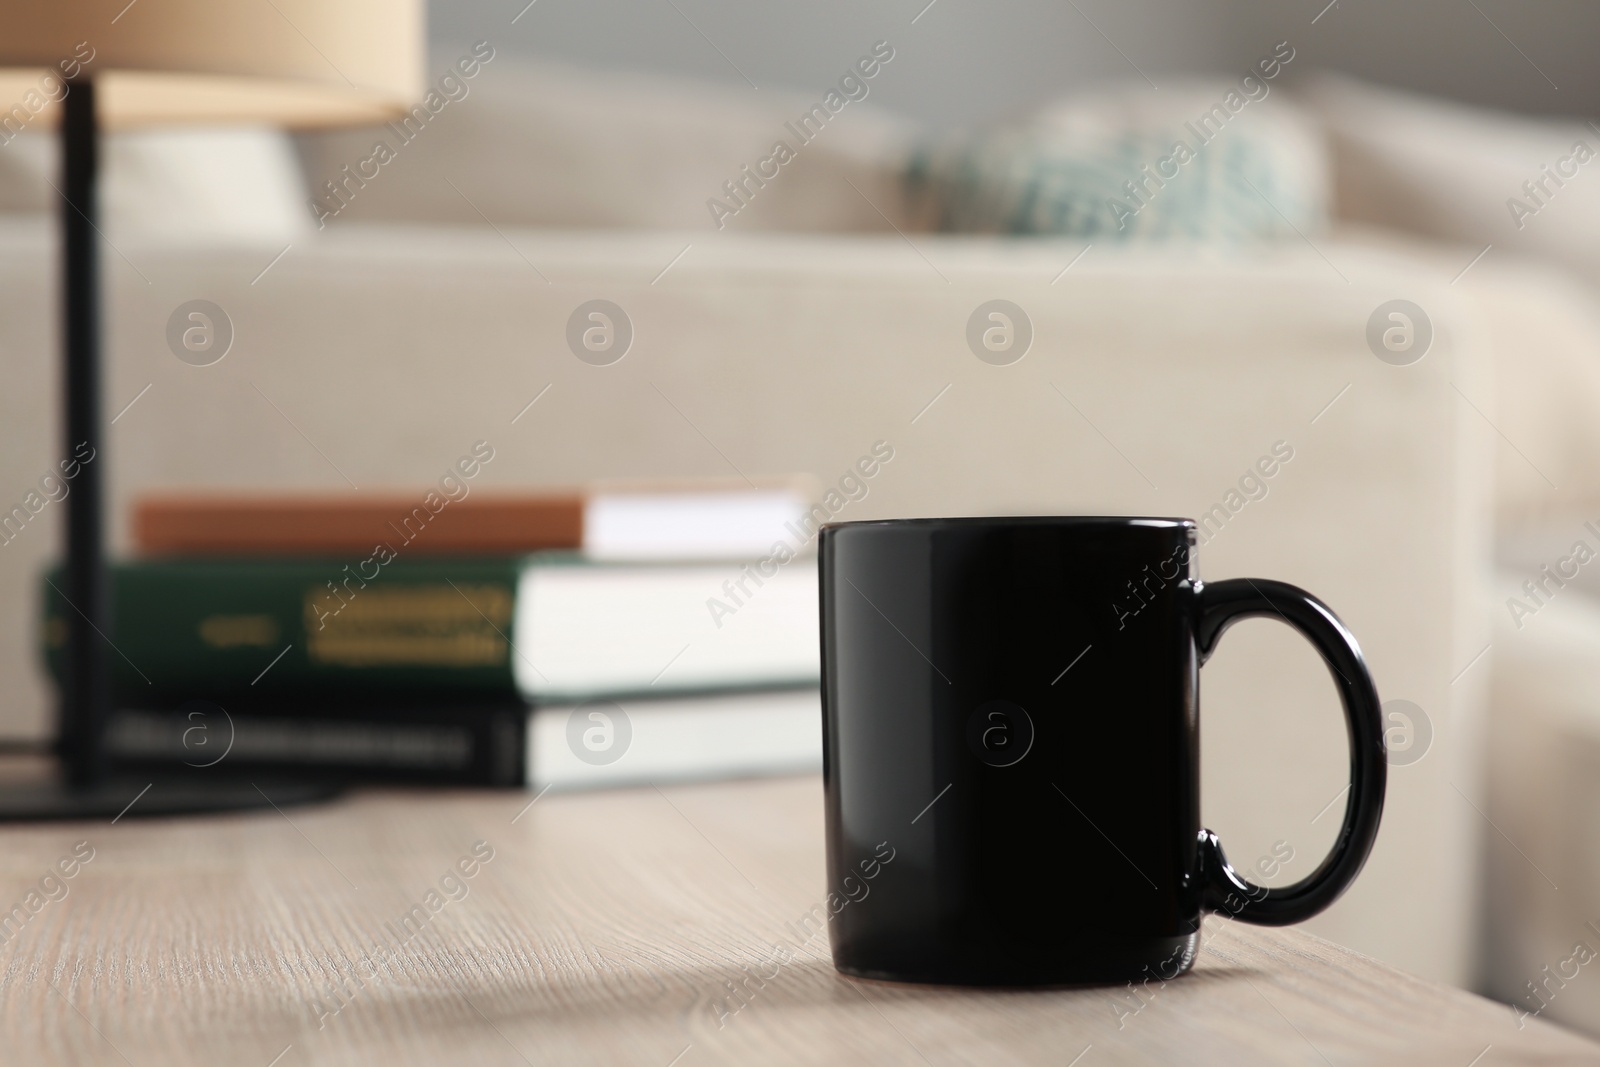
{"points": [[620, 522], [306, 525]]}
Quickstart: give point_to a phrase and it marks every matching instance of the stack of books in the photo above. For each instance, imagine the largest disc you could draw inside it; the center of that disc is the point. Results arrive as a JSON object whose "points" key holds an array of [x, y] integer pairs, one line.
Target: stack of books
{"points": [[617, 636]]}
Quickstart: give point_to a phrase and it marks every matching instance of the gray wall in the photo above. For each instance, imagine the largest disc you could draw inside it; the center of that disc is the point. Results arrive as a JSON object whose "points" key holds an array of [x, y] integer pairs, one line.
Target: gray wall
{"points": [[969, 60]]}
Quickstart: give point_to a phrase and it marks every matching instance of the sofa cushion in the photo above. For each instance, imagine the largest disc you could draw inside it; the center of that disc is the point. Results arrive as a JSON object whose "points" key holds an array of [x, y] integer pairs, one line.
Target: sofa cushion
{"points": [[1201, 160], [542, 144], [174, 185], [1447, 170]]}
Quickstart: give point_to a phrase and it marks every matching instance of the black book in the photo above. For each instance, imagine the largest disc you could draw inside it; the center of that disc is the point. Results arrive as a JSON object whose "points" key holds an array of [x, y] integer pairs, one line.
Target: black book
{"points": [[439, 744], [591, 744]]}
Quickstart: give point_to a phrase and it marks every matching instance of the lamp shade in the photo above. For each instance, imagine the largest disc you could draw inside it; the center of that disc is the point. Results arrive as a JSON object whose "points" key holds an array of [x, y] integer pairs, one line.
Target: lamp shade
{"points": [[295, 63]]}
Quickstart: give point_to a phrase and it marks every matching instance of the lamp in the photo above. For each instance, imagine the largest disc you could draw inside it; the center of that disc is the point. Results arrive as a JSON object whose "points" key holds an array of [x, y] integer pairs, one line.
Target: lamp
{"points": [[88, 64]]}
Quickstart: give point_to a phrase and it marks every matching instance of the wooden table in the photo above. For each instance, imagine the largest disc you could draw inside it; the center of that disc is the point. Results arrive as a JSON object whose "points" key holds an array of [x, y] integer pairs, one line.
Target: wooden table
{"points": [[606, 928]]}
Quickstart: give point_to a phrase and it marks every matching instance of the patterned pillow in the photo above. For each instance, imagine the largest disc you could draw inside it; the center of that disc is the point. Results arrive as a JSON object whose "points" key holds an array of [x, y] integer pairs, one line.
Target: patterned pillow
{"points": [[1206, 161]]}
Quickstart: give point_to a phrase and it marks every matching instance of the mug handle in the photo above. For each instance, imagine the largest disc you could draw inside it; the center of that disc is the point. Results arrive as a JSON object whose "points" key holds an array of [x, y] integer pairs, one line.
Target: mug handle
{"points": [[1221, 604]]}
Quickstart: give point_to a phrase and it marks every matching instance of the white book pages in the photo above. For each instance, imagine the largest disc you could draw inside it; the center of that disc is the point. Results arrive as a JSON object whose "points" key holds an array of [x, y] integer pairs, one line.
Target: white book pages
{"points": [[730, 524], [636, 742], [582, 630]]}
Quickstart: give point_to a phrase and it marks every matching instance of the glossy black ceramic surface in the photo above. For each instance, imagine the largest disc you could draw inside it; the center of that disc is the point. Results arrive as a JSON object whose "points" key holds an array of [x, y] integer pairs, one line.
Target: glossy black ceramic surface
{"points": [[1011, 749]]}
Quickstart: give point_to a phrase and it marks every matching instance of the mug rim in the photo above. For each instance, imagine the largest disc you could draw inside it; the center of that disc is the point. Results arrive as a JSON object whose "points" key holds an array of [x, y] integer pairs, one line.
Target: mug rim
{"points": [[1157, 522]]}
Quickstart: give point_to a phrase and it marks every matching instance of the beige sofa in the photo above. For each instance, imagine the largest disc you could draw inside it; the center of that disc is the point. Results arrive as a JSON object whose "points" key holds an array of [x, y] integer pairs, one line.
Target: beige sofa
{"points": [[374, 356]]}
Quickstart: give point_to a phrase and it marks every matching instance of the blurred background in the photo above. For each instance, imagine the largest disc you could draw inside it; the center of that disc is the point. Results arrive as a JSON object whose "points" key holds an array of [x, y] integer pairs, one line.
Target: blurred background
{"points": [[977, 64], [1175, 316]]}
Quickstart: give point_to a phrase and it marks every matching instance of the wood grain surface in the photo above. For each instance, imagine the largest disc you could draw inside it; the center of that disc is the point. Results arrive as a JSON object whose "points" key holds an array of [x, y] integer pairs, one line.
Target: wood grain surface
{"points": [[605, 928]]}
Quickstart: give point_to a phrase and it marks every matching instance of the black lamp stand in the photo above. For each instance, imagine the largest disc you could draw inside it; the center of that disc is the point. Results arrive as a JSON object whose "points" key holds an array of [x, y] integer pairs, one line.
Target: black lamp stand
{"points": [[86, 788]]}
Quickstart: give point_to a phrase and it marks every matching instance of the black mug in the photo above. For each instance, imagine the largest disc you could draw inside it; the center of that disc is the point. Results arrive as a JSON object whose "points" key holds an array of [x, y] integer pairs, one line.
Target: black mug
{"points": [[1011, 749]]}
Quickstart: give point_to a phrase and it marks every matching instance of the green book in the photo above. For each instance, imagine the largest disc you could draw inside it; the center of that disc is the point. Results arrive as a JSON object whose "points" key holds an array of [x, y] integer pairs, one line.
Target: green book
{"points": [[543, 627]]}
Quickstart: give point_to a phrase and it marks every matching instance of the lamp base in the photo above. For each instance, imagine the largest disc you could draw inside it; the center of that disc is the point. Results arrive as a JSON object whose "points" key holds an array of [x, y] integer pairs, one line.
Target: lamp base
{"points": [[153, 796]]}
